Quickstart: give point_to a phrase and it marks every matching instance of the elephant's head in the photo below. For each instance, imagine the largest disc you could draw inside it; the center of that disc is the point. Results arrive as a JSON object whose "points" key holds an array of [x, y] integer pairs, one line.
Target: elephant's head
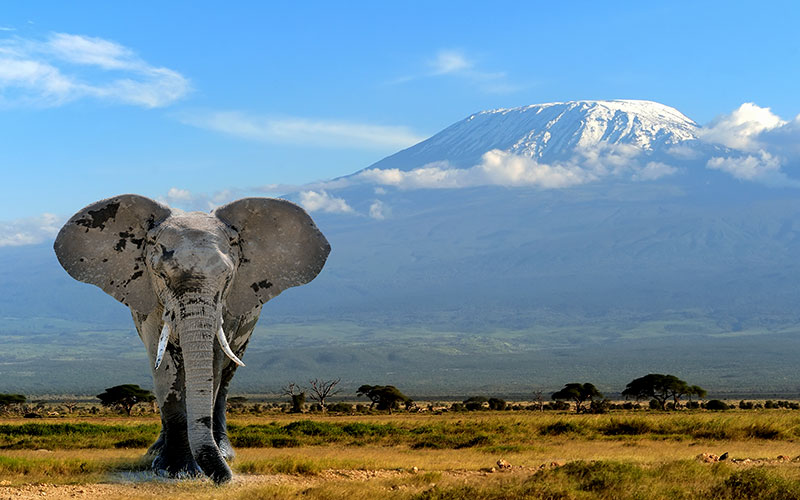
{"points": [[191, 267]]}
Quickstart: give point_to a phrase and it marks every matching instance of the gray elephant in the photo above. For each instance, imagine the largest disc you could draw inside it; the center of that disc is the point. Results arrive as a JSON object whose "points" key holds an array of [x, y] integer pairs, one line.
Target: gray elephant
{"points": [[195, 283]]}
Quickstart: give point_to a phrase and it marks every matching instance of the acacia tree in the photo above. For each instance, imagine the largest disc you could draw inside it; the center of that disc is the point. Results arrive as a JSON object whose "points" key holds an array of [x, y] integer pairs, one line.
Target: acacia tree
{"points": [[297, 397], [580, 393], [696, 390], [125, 397], [323, 389], [386, 397], [660, 388], [7, 401]]}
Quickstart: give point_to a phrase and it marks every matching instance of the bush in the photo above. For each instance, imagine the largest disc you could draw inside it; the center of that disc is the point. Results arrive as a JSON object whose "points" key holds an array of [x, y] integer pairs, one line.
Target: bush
{"points": [[497, 404], [716, 405], [341, 408], [475, 403], [560, 427], [557, 406], [137, 442], [311, 428], [632, 427], [598, 407]]}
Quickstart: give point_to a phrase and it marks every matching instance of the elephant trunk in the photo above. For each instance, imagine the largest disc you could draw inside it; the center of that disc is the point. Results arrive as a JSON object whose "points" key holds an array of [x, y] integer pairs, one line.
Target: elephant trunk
{"points": [[197, 321]]}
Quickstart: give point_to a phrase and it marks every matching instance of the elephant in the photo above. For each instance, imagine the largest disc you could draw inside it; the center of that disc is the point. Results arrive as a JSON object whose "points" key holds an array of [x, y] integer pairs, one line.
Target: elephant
{"points": [[195, 283]]}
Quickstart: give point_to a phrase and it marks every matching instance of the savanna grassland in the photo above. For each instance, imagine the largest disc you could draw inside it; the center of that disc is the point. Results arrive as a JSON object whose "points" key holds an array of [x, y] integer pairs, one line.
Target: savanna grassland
{"points": [[621, 455]]}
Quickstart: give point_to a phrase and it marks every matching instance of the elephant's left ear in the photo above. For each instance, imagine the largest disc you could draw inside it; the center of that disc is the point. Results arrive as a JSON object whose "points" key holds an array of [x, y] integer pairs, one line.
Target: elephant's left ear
{"points": [[103, 244], [280, 245]]}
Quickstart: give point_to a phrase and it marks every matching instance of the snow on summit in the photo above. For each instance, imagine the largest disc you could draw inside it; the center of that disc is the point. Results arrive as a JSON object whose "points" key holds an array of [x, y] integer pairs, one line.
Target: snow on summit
{"points": [[550, 132]]}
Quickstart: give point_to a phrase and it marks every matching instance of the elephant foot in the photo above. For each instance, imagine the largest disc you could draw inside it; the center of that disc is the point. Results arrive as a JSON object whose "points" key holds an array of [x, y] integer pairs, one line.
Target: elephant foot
{"points": [[225, 447], [181, 468]]}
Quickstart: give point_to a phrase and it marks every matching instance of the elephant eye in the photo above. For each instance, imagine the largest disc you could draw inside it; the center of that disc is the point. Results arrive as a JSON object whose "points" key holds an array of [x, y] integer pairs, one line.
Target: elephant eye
{"points": [[166, 254]]}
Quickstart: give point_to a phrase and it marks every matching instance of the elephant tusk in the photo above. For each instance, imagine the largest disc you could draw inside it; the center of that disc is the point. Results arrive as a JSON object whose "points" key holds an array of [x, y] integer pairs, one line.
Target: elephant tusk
{"points": [[162, 344], [226, 348]]}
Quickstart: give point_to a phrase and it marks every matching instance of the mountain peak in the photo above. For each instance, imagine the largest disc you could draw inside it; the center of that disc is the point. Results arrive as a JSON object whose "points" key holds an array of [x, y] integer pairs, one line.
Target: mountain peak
{"points": [[550, 132]]}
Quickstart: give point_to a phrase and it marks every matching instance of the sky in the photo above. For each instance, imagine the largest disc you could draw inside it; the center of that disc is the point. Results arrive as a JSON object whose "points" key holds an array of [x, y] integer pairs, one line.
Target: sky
{"points": [[170, 98]]}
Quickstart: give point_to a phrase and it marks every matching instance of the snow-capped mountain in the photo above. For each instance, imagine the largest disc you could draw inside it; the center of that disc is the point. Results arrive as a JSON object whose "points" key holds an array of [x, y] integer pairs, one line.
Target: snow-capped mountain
{"points": [[550, 132]]}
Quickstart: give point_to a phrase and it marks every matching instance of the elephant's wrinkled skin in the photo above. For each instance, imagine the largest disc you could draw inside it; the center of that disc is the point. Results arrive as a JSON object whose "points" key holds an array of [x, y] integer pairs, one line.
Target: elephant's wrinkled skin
{"points": [[195, 283]]}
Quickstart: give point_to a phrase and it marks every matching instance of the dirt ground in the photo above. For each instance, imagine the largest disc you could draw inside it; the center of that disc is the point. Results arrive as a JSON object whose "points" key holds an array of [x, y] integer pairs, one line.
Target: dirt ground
{"points": [[147, 485]]}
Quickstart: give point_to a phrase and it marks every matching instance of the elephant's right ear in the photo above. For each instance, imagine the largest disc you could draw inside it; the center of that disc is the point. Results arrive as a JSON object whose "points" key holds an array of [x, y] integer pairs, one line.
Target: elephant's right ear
{"points": [[280, 246], [103, 244]]}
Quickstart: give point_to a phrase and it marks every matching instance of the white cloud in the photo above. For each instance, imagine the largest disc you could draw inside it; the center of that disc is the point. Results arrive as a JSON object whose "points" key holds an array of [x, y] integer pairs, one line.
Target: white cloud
{"points": [[66, 67], [177, 194], [750, 167], [322, 201], [457, 64], [30, 230], [332, 133], [450, 61], [505, 169], [741, 128], [378, 210], [654, 170], [202, 202]]}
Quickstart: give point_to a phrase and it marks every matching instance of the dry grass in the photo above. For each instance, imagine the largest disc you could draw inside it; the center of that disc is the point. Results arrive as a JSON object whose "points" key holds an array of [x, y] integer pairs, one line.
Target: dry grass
{"points": [[621, 455]]}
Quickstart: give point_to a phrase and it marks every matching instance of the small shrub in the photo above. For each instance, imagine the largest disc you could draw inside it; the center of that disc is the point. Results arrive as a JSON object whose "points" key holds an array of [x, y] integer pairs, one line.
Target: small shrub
{"points": [[632, 427], [137, 442], [497, 404], [560, 427], [360, 429], [341, 408], [599, 406], [716, 405], [311, 428], [763, 430]]}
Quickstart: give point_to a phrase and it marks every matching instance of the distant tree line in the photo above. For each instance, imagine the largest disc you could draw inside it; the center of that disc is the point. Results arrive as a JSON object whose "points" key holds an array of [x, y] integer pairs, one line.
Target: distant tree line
{"points": [[660, 392]]}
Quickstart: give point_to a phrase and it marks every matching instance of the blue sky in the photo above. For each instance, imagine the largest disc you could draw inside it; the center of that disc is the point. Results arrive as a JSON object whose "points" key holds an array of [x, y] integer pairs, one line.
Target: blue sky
{"points": [[101, 98]]}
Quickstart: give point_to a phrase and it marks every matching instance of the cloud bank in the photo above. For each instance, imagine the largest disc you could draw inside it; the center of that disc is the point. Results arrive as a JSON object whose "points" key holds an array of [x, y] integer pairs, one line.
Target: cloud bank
{"points": [[30, 230], [64, 67], [321, 201], [501, 168], [761, 144]]}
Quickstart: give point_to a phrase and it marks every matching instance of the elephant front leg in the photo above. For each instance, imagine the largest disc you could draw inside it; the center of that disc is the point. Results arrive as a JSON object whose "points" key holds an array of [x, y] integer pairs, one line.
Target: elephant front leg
{"points": [[220, 412], [227, 369], [172, 454], [221, 425]]}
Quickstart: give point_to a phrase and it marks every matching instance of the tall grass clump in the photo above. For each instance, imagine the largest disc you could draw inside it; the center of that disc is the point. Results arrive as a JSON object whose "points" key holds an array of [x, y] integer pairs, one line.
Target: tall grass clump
{"points": [[283, 465], [561, 427], [626, 427], [756, 484], [67, 436]]}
